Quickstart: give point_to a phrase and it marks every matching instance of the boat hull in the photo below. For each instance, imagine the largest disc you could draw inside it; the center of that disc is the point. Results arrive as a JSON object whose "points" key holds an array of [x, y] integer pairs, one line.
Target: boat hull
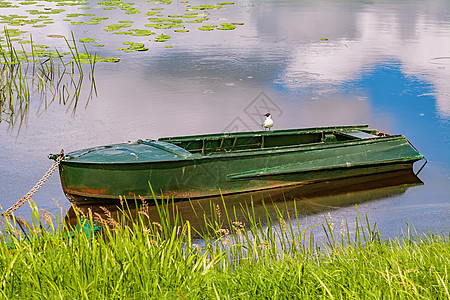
{"points": [[233, 173]]}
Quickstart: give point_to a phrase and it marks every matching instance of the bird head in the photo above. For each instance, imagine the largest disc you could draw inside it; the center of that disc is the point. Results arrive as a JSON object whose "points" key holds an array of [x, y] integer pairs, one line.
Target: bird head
{"points": [[266, 115]]}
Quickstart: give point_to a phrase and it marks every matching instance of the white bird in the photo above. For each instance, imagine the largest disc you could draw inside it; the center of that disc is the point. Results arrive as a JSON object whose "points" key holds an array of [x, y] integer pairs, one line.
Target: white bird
{"points": [[268, 122]]}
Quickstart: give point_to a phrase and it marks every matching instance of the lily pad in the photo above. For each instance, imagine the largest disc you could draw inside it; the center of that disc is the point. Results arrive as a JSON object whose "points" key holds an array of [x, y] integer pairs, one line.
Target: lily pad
{"points": [[132, 46], [162, 38], [227, 26], [88, 58], [55, 35], [207, 27], [13, 32], [162, 26], [198, 20], [142, 32], [114, 27], [86, 40], [206, 6]]}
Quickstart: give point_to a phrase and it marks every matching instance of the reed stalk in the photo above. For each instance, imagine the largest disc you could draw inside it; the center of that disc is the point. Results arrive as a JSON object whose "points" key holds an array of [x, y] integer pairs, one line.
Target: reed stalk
{"points": [[25, 77]]}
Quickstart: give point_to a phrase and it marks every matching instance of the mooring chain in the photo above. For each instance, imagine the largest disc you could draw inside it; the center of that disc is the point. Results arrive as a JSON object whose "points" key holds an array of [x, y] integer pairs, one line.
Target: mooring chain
{"points": [[38, 185]]}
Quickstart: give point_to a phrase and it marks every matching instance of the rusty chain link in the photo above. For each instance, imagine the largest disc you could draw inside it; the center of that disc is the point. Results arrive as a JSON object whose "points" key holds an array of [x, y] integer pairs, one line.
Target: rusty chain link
{"points": [[38, 185]]}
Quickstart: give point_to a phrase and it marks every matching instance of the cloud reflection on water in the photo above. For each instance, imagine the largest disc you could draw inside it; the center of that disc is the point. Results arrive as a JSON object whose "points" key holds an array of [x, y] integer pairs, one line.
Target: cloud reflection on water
{"points": [[366, 37]]}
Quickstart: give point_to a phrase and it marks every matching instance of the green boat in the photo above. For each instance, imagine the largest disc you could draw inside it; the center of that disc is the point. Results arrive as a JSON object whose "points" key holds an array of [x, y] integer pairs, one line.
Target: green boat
{"points": [[201, 166]]}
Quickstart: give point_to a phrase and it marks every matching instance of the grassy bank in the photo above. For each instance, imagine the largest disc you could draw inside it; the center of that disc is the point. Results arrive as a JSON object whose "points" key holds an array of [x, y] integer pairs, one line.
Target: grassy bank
{"points": [[134, 258]]}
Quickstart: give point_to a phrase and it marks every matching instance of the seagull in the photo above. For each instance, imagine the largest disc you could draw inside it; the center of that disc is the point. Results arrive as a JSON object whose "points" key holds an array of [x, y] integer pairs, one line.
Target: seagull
{"points": [[268, 122]]}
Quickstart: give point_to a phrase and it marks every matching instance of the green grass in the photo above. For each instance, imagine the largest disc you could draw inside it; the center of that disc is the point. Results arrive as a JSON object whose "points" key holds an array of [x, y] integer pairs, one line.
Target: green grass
{"points": [[135, 257]]}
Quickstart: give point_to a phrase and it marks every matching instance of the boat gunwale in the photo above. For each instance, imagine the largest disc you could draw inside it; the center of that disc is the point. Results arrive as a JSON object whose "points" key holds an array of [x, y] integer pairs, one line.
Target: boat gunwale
{"points": [[264, 133], [258, 151]]}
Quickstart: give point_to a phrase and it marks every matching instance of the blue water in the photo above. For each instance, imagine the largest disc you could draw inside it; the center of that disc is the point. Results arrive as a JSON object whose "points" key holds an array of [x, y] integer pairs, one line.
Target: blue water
{"points": [[384, 63]]}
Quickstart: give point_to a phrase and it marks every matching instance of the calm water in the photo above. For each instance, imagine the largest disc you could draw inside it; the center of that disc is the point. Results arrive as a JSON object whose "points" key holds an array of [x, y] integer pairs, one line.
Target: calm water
{"points": [[385, 63]]}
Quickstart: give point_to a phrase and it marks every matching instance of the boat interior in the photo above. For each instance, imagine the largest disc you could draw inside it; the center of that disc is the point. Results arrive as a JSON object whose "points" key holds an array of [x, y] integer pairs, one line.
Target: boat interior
{"points": [[241, 141]]}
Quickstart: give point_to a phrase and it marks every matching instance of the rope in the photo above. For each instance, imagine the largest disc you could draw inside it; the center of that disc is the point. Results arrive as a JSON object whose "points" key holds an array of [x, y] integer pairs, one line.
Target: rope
{"points": [[38, 185]]}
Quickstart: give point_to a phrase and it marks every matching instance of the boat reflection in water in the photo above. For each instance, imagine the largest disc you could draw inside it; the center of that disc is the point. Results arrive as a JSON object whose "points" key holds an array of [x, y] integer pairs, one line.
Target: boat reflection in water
{"points": [[308, 199]]}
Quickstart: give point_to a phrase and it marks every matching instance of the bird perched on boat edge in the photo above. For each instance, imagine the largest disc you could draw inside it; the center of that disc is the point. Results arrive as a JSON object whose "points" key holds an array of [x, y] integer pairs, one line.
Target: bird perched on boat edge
{"points": [[268, 122]]}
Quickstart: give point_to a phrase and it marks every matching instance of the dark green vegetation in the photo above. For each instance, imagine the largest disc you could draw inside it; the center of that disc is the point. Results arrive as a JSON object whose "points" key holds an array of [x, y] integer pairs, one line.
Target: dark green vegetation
{"points": [[235, 258]]}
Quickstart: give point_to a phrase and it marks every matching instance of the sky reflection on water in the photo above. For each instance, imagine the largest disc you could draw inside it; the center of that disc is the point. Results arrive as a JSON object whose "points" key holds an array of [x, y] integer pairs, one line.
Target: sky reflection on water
{"points": [[385, 64]]}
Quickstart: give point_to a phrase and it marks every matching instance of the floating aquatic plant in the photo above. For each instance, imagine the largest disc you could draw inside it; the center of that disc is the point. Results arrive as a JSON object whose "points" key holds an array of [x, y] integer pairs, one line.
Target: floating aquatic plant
{"points": [[86, 40], [162, 38], [226, 26], [158, 21], [74, 15], [141, 32], [47, 12], [204, 7], [159, 26], [122, 32], [13, 32], [171, 20], [132, 46], [86, 58], [114, 27], [161, 1], [207, 27], [55, 35]]}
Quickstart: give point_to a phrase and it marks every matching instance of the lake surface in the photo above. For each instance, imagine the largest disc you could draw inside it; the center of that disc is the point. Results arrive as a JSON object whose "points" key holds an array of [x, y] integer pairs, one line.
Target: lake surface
{"points": [[310, 63]]}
